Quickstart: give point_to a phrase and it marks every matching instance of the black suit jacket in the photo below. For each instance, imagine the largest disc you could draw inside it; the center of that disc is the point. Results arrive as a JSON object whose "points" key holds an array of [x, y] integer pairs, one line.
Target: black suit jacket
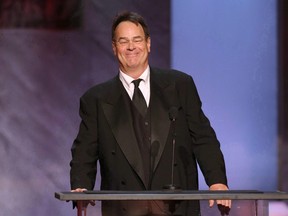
{"points": [[106, 134]]}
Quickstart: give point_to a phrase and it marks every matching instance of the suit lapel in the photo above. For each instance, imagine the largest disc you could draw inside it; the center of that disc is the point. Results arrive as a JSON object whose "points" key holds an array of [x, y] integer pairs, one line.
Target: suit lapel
{"points": [[118, 114], [163, 97]]}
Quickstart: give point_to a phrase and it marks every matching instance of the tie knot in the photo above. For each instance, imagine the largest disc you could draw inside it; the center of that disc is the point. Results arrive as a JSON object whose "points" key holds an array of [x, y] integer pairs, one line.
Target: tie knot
{"points": [[136, 82]]}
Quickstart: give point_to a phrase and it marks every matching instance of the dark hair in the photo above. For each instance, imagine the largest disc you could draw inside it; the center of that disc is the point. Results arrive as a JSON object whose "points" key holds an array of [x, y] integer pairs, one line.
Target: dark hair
{"points": [[131, 17]]}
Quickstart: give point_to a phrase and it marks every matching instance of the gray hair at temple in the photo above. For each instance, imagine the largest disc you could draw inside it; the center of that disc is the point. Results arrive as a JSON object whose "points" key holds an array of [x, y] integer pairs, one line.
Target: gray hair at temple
{"points": [[131, 17]]}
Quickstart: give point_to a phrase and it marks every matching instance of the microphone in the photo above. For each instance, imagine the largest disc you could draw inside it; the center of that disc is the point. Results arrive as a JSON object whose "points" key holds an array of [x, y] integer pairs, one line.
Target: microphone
{"points": [[173, 114]]}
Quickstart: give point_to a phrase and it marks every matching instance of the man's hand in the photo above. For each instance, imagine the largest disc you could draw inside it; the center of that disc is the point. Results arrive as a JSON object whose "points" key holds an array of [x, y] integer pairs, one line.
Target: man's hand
{"points": [[79, 190], [84, 203], [224, 206]]}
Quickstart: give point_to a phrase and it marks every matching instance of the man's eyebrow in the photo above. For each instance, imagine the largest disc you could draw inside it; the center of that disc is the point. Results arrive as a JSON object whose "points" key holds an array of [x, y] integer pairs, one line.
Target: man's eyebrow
{"points": [[122, 38], [126, 38]]}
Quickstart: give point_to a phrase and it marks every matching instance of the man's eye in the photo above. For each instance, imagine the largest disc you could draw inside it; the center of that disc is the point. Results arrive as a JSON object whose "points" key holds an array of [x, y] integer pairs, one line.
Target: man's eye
{"points": [[123, 41], [138, 40]]}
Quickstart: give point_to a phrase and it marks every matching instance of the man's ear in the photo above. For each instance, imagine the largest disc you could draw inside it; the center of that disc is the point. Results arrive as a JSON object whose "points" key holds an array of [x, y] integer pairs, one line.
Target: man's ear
{"points": [[114, 47], [148, 44]]}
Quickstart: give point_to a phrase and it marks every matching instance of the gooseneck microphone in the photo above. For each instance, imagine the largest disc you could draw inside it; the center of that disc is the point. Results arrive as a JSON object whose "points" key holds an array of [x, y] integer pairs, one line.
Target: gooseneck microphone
{"points": [[173, 114]]}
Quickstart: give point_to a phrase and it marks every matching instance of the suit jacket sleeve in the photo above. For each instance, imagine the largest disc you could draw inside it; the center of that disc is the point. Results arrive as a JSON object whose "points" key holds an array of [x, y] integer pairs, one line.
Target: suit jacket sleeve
{"points": [[206, 147], [84, 149]]}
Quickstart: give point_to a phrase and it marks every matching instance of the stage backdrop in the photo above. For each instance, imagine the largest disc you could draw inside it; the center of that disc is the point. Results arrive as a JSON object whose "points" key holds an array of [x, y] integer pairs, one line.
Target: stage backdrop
{"points": [[230, 48]]}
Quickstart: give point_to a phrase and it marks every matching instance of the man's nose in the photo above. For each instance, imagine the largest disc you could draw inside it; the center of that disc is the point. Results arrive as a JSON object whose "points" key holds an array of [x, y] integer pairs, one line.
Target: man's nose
{"points": [[131, 45]]}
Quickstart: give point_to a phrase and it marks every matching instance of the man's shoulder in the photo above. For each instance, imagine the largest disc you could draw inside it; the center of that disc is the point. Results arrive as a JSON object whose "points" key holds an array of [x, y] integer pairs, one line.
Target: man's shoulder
{"points": [[169, 73], [101, 88]]}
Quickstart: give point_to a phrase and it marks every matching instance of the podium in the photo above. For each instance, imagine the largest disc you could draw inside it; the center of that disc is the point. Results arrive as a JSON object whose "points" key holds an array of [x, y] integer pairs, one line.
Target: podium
{"points": [[252, 202]]}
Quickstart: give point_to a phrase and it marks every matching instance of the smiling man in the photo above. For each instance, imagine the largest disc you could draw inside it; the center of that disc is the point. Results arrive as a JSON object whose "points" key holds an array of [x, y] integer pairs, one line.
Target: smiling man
{"points": [[131, 45], [129, 125]]}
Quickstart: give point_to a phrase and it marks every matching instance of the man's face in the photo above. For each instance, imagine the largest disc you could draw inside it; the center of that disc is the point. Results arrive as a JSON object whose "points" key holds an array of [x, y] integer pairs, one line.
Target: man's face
{"points": [[131, 47]]}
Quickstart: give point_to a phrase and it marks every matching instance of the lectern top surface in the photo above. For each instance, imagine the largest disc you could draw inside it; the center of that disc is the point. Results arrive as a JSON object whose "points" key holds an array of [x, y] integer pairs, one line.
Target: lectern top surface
{"points": [[173, 195]]}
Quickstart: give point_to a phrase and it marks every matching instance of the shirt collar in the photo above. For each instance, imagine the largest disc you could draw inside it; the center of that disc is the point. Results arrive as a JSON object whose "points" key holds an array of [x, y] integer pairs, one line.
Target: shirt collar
{"points": [[127, 80]]}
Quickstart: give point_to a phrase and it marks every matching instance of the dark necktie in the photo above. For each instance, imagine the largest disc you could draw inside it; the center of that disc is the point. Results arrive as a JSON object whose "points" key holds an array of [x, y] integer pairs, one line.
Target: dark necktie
{"points": [[138, 98]]}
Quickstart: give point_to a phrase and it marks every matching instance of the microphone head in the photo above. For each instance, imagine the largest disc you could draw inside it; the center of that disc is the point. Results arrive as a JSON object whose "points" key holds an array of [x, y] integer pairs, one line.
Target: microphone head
{"points": [[173, 113]]}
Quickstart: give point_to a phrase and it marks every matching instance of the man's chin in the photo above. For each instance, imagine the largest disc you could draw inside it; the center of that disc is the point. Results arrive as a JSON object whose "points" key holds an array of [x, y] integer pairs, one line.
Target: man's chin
{"points": [[132, 66]]}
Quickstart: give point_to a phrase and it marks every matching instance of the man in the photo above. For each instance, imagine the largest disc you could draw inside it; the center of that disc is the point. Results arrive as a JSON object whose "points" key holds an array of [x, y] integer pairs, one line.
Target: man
{"points": [[135, 146]]}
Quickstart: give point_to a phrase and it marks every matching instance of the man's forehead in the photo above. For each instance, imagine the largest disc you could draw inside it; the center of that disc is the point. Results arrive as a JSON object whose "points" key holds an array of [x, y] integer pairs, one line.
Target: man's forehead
{"points": [[127, 26]]}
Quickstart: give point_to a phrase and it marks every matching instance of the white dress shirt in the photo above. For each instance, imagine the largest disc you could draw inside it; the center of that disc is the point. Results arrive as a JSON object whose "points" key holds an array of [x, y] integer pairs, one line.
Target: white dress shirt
{"points": [[144, 85]]}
